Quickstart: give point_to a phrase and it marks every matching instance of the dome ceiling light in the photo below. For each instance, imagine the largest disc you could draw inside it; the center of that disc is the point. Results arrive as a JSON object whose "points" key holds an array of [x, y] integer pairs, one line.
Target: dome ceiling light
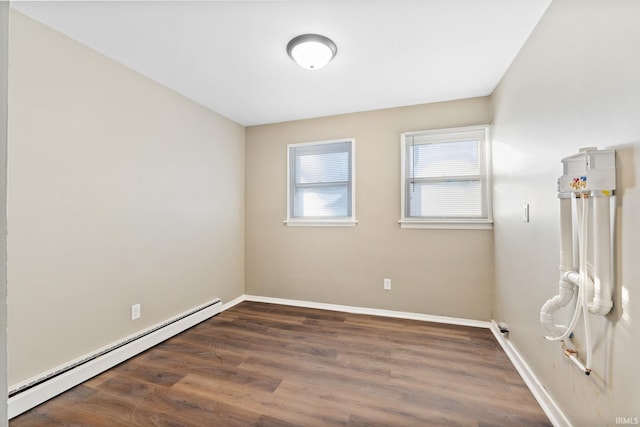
{"points": [[311, 51]]}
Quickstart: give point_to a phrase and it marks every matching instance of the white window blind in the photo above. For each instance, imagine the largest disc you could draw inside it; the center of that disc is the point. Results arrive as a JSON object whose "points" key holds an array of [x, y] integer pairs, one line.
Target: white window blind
{"points": [[445, 176], [320, 181]]}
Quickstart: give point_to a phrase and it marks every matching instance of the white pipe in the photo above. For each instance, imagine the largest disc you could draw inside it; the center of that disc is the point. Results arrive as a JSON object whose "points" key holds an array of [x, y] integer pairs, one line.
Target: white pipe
{"points": [[566, 236], [584, 278], [602, 302], [568, 278], [566, 291], [575, 220]]}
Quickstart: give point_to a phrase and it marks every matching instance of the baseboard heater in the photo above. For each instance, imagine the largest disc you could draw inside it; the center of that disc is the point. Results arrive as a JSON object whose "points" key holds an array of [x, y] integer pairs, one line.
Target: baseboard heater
{"points": [[41, 389]]}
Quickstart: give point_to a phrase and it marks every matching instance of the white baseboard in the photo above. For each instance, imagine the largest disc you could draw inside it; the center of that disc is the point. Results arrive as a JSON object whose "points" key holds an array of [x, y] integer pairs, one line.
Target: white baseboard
{"points": [[233, 302], [546, 402], [133, 345], [371, 311]]}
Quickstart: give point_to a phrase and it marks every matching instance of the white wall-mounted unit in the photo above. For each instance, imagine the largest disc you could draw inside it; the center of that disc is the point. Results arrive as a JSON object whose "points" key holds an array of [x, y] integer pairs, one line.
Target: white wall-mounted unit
{"points": [[585, 190], [588, 170]]}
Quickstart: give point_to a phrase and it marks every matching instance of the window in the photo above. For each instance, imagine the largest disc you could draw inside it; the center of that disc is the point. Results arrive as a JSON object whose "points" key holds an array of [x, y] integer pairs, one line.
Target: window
{"points": [[446, 178], [320, 183]]}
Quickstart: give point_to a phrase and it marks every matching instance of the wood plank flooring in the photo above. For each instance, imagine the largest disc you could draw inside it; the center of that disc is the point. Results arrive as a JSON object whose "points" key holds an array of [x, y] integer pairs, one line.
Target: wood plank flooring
{"points": [[270, 365]]}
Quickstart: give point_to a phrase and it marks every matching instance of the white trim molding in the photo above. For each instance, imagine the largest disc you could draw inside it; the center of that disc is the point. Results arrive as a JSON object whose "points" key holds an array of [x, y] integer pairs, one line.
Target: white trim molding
{"points": [[232, 303], [320, 223], [555, 414], [371, 311], [452, 225]]}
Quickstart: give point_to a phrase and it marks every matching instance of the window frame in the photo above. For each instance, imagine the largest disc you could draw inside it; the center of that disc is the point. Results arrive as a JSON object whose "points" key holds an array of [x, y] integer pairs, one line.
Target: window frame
{"points": [[479, 132], [346, 221]]}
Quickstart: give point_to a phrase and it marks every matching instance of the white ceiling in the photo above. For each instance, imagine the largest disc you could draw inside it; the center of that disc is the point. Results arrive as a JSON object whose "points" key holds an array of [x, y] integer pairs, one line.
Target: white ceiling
{"points": [[230, 55]]}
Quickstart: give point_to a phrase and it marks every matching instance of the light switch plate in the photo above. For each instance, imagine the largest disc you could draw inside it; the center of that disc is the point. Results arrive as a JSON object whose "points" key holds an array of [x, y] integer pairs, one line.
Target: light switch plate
{"points": [[525, 212]]}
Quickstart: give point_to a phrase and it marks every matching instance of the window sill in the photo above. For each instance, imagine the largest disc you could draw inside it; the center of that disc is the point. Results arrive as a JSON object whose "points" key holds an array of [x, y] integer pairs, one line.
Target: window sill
{"points": [[447, 225], [320, 223]]}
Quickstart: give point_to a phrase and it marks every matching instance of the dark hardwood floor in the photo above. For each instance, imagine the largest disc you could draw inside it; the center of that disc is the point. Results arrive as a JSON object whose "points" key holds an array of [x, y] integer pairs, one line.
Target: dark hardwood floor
{"points": [[271, 365]]}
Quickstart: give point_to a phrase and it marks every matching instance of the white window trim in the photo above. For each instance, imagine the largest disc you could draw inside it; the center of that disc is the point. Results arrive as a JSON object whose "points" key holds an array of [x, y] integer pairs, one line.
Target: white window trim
{"points": [[321, 222], [448, 223]]}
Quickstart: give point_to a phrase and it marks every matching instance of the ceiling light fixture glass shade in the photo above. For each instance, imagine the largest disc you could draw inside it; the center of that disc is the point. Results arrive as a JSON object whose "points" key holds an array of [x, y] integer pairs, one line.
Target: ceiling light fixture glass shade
{"points": [[311, 51]]}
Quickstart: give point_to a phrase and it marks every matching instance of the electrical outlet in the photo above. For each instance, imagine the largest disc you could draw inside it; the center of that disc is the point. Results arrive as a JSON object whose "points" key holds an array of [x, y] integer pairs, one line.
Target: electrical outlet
{"points": [[135, 311], [387, 284]]}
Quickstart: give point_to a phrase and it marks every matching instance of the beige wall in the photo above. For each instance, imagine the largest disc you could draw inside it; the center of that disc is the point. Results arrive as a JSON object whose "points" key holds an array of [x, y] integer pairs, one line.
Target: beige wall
{"points": [[120, 192], [575, 83], [4, 43], [347, 265]]}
